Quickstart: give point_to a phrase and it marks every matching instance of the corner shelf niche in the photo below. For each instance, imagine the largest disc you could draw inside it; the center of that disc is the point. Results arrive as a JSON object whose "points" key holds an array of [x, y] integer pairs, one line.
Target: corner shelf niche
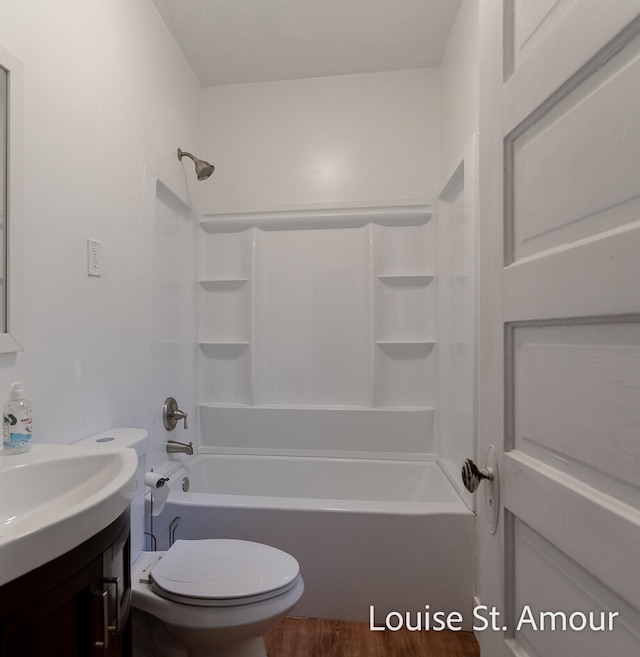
{"points": [[404, 308], [225, 298]]}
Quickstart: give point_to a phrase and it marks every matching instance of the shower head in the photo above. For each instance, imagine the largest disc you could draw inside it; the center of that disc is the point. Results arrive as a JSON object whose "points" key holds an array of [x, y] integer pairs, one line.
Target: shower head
{"points": [[203, 169]]}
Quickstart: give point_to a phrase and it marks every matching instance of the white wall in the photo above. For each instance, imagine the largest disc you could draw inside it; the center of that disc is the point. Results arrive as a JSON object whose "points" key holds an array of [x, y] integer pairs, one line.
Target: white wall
{"points": [[459, 88], [105, 87], [348, 140]]}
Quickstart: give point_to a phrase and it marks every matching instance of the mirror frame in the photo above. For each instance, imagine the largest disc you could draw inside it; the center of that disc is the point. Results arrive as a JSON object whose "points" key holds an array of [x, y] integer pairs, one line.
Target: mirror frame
{"points": [[13, 224]]}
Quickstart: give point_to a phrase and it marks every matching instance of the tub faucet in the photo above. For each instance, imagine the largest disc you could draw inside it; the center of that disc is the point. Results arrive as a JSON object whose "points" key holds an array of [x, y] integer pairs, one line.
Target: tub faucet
{"points": [[174, 447]]}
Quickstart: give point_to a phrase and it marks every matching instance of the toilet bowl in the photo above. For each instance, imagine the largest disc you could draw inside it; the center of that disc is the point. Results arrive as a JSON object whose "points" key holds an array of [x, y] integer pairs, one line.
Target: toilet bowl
{"points": [[202, 598], [212, 597]]}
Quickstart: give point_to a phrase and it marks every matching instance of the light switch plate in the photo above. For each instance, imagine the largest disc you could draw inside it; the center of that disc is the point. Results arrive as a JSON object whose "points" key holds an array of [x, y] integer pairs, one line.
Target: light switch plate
{"points": [[94, 257]]}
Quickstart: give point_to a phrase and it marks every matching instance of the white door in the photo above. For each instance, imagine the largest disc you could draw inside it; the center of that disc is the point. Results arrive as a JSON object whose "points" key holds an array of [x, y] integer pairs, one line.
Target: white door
{"points": [[559, 326]]}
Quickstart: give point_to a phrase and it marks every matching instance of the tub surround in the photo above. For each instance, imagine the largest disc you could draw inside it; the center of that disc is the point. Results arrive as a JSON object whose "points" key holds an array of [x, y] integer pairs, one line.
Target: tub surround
{"points": [[318, 325], [320, 400], [457, 285]]}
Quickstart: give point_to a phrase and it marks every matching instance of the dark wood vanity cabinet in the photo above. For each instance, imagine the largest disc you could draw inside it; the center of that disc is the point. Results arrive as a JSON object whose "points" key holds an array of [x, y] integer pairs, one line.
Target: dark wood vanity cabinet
{"points": [[77, 605]]}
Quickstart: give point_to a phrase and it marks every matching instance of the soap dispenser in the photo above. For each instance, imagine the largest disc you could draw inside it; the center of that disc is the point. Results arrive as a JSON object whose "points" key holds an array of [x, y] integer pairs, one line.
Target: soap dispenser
{"points": [[16, 428]]}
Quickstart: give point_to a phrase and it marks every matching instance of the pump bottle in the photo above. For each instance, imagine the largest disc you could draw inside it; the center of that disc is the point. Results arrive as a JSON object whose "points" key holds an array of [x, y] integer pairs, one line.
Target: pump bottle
{"points": [[16, 434]]}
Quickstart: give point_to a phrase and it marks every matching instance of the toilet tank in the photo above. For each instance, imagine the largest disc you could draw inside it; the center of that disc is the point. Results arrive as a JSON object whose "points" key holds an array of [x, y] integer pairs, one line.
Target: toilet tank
{"points": [[137, 439]]}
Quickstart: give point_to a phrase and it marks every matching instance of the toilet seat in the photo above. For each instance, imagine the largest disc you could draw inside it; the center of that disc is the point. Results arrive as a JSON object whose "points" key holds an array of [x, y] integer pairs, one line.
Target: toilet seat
{"points": [[223, 573]]}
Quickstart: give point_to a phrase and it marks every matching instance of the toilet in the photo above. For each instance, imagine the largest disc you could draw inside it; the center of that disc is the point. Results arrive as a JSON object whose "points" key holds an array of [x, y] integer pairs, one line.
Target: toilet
{"points": [[202, 598]]}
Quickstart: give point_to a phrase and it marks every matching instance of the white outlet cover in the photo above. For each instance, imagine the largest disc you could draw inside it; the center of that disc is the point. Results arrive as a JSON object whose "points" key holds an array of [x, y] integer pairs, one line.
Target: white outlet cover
{"points": [[94, 257]]}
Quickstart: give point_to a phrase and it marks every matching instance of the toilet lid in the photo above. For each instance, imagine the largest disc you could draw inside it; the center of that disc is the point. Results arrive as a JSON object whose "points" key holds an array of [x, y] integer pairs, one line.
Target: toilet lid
{"points": [[223, 572]]}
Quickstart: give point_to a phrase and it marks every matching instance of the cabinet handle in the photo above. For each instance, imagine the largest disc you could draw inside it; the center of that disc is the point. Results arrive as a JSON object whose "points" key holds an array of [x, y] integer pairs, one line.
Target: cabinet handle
{"points": [[114, 628], [102, 598]]}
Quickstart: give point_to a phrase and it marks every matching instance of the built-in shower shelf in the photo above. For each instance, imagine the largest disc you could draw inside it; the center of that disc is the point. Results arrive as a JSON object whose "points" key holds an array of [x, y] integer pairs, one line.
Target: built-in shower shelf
{"points": [[404, 280], [232, 344], [213, 284], [230, 280], [311, 407], [405, 343], [403, 409], [410, 215], [229, 405]]}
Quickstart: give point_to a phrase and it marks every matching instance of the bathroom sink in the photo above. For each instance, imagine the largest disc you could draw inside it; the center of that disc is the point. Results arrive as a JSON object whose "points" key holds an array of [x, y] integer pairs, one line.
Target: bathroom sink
{"points": [[57, 496]]}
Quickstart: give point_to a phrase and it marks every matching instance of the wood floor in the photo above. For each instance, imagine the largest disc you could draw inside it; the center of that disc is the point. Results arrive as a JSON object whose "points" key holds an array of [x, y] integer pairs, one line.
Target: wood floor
{"points": [[316, 637]]}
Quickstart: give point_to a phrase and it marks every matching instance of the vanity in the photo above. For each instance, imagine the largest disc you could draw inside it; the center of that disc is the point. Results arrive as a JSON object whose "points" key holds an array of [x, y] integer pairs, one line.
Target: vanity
{"points": [[68, 606], [65, 587]]}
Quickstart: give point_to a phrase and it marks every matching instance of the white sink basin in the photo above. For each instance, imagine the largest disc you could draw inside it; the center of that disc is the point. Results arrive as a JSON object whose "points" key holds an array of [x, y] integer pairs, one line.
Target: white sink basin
{"points": [[57, 496]]}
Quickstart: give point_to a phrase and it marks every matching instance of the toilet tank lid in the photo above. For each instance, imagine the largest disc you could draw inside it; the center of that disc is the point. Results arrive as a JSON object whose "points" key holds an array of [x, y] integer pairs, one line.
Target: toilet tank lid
{"points": [[121, 437]]}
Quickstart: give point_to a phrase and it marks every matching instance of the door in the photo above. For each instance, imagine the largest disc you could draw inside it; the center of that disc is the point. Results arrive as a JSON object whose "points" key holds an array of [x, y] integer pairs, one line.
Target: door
{"points": [[559, 327]]}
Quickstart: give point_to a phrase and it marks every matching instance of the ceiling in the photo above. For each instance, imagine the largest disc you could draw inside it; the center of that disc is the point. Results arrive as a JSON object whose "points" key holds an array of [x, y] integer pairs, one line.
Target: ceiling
{"points": [[234, 41]]}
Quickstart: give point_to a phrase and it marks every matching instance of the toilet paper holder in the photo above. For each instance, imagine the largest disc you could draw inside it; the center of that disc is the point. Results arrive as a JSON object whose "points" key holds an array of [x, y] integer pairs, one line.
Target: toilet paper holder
{"points": [[154, 481], [159, 491]]}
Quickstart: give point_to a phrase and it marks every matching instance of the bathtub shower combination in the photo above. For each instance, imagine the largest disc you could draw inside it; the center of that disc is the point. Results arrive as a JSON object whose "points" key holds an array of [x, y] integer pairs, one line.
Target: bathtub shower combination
{"points": [[335, 401], [392, 534]]}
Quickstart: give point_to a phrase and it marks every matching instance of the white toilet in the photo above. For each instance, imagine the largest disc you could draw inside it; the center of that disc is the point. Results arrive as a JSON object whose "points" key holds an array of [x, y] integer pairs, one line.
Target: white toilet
{"points": [[204, 598]]}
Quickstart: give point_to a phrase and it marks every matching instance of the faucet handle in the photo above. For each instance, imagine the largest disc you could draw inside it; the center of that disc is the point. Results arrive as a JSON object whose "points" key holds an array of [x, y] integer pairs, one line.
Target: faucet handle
{"points": [[171, 414], [180, 415]]}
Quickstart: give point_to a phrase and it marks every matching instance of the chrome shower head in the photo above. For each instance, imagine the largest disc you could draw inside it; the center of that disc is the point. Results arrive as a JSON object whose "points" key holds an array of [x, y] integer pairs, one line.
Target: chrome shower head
{"points": [[203, 169]]}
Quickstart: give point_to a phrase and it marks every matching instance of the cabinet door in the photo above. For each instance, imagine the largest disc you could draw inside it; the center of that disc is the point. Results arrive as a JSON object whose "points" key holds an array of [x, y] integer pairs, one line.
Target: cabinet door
{"points": [[111, 599], [74, 606], [56, 623]]}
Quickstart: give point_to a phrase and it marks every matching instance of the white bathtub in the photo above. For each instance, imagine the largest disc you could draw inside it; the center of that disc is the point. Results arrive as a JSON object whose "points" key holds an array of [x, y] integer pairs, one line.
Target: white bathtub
{"points": [[393, 534]]}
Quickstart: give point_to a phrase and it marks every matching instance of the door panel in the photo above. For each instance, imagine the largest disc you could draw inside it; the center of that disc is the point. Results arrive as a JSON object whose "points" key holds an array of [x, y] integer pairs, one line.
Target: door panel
{"points": [[570, 281], [557, 52], [595, 371], [573, 173], [541, 568], [594, 530], [531, 20], [559, 320]]}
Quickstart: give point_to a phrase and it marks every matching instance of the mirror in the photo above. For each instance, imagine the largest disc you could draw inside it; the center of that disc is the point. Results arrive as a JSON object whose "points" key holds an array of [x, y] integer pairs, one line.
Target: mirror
{"points": [[4, 107], [10, 198]]}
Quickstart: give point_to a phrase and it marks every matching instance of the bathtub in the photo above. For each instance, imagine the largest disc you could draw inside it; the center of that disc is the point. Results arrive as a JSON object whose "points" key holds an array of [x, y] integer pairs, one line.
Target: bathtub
{"points": [[392, 535]]}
